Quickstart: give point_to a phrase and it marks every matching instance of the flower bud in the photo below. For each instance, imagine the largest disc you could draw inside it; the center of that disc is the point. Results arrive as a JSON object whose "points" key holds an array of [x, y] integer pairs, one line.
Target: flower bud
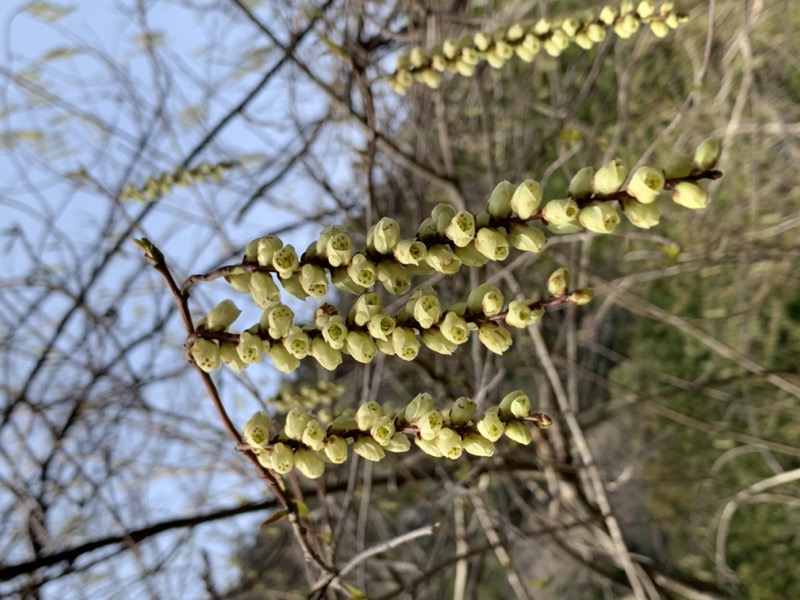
{"points": [[626, 26], [678, 167], [250, 347], [521, 406], [599, 217], [524, 54], [410, 252], [230, 357], [641, 215], [384, 235], [206, 355], [222, 316], [285, 261], [520, 315], [430, 424], [420, 405], [477, 445], [338, 249], [277, 320], [492, 243], [385, 346], [552, 48], [360, 346], [256, 430], [571, 27], [559, 39], [335, 332], [313, 280], [394, 277], [405, 343], [449, 443], [282, 458], [380, 327], [707, 154], [443, 260], [428, 447], [486, 299], [344, 423], [583, 41], [367, 306], [542, 27], [519, 432], [369, 449], [558, 212], [368, 414], [690, 195], [427, 229], [526, 198], [454, 328], [461, 229], [503, 50], [531, 43], [309, 463], [462, 411], [526, 238], [240, 281], [646, 184], [426, 310], [659, 28], [398, 443], [645, 9], [558, 282], [581, 296], [296, 420], [499, 205], [283, 361], [361, 271], [292, 286], [469, 256], [382, 430], [336, 449], [490, 426], [482, 40], [313, 435], [608, 15], [325, 354], [464, 68], [433, 339], [264, 249], [505, 403], [451, 47], [265, 292], [595, 33], [495, 337], [610, 177]]}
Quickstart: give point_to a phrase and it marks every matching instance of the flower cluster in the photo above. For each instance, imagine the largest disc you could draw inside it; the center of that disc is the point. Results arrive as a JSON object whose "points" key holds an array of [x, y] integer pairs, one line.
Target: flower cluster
{"points": [[306, 444], [156, 187], [462, 55]]}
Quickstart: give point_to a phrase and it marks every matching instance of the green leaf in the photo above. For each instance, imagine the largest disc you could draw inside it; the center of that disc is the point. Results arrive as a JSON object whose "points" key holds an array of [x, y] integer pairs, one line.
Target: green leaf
{"points": [[274, 518]]}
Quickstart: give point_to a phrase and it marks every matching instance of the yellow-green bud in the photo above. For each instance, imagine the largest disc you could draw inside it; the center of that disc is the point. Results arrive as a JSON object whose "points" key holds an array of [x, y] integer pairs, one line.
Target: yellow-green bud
{"points": [[336, 449], [420, 405], [309, 463], [325, 354], [505, 403], [571, 26], [526, 198], [520, 406], [499, 205], [490, 426], [264, 290], [707, 154], [426, 310], [552, 48], [293, 286], [581, 184], [430, 424], [462, 411], [256, 430], [380, 327], [641, 215], [690, 195], [469, 256], [361, 271], [678, 167], [454, 328], [250, 347], [405, 343], [434, 340], [469, 56], [646, 184], [314, 280], [595, 33], [599, 217], [486, 299], [515, 32], [559, 39], [583, 41], [222, 316], [438, 63], [344, 422], [482, 40], [645, 9], [313, 435], [361, 346], [394, 277], [369, 449], [519, 432], [277, 320], [477, 445], [520, 314], [659, 28], [239, 281], [581, 296], [206, 355], [442, 213], [449, 443], [296, 420], [428, 447], [450, 48], [285, 261], [443, 260], [339, 249], [626, 26], [524, 54], [382, 430], [559, 212], [384, 235], [541, 27], [492, 243], [335, 332], [385, 346], [410, 252], [495, 337], [367, 306], [265, 249], [495, 60], [417, 57], [283, 361], [610, 177], [503, 49], [558, 282], [231, 357], [368, 414], [461, 229], [526, 238], [282, 458], [398, 443], [532, 44]]}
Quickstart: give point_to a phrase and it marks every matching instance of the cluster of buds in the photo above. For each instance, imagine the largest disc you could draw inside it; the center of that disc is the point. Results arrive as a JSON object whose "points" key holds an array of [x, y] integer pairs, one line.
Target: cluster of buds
{"points": [[318, 395], [462, 55], [156, 187], [307, 445]]}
